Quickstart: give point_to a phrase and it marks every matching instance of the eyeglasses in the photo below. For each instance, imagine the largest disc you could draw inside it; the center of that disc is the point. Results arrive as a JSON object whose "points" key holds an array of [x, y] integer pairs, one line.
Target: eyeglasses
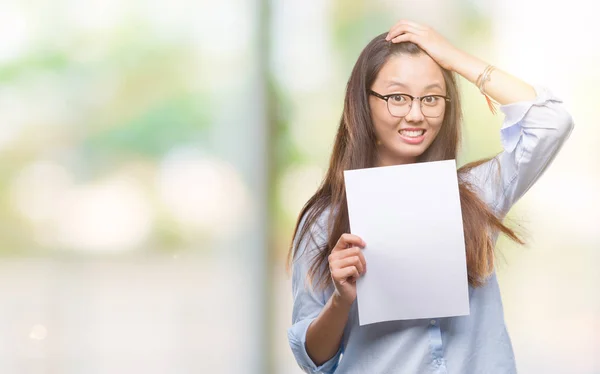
{"points": [[399, 104]]}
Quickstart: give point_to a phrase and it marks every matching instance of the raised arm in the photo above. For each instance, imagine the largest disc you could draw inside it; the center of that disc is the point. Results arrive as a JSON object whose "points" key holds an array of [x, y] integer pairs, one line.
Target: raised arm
{"points": [[535, 126]]}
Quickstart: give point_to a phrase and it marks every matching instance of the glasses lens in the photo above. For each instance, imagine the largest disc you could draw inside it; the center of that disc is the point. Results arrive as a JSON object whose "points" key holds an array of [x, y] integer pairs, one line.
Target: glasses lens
{"points": [[399, 105], [431, 106]]}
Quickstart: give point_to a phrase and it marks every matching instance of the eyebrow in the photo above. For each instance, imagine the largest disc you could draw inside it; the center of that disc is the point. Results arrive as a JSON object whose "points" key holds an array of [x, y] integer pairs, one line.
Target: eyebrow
{"points": [[428, 87]]}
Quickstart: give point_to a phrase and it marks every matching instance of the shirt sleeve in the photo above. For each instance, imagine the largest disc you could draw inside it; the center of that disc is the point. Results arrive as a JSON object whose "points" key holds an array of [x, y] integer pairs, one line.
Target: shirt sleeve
{"points": [[308, 303], [532, 134]]}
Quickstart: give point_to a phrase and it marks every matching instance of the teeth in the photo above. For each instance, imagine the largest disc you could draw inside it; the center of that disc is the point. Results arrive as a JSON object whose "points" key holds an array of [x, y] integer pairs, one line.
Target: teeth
{"points": [[412, 134]]}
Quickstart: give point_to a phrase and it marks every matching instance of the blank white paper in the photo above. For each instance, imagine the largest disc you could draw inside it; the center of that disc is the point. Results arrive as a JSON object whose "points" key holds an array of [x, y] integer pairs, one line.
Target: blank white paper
{"points": [[410, 218]]}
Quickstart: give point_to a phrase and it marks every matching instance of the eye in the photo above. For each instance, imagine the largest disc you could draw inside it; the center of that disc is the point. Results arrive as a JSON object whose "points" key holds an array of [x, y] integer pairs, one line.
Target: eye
{"points": [[399, 99], [430, 100]]}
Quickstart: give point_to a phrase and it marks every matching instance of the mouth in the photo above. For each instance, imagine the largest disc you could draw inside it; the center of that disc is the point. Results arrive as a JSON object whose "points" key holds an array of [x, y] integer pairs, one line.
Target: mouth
{"points": [[412, 136]]}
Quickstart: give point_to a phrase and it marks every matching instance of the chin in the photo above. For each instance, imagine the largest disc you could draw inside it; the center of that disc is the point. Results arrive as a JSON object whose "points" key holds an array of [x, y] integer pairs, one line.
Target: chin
{"points": [[410, 155], [411, 151]]}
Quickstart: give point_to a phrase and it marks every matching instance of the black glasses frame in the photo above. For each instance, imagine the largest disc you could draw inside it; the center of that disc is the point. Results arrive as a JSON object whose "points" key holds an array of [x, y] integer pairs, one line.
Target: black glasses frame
{"points": [[386, 98]]}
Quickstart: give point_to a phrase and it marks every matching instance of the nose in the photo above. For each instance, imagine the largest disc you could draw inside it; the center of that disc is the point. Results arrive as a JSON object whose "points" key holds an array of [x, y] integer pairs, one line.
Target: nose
{"points": [[415, 114]]}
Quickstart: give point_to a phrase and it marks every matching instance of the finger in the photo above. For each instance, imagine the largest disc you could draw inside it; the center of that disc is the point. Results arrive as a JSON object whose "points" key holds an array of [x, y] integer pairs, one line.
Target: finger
{"points": [[348, 240], [344, 253], [349, 261], [409, 23], [402, 29], [345, 273], [405, 38], [349, 253], [362, 261]]}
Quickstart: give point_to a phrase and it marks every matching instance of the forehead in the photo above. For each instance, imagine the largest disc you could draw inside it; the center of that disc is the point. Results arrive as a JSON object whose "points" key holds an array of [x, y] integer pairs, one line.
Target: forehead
{"points": [[412, 73]]}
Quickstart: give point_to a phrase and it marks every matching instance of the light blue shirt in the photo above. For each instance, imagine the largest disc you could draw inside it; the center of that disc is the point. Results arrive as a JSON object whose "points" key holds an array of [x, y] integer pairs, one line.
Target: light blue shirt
{"points": [[532, 134]]}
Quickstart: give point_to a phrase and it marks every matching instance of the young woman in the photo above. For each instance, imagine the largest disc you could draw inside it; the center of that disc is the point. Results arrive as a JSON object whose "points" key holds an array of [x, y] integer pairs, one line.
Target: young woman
{"points": [[402, 105]]}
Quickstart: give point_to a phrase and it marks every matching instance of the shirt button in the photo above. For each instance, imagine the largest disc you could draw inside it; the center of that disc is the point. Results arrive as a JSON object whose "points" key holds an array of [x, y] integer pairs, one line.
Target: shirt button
{"points": [[433, 322]]}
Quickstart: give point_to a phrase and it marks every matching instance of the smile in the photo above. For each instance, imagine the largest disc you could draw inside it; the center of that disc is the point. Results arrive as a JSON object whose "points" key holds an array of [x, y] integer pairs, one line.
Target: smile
{"points": [[412, 133], [412, 136]]}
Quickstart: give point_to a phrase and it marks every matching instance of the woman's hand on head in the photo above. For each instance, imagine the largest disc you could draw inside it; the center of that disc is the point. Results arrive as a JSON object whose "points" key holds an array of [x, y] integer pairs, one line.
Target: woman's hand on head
{"points": [[434, 44], [347, 264]]}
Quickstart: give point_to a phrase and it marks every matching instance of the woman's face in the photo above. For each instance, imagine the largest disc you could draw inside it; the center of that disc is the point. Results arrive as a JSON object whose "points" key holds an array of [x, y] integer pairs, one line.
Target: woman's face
{"points": [[402, 139]]}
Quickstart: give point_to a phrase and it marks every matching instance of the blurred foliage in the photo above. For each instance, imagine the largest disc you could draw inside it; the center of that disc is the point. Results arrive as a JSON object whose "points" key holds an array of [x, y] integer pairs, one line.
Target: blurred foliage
{"points": [[155, 130], [354, 26], [125, 96], [35, 61]]}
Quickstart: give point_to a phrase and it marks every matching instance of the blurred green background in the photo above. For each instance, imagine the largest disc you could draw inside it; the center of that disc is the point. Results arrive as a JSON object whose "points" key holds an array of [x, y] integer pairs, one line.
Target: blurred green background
{"points": [[155, 156]]}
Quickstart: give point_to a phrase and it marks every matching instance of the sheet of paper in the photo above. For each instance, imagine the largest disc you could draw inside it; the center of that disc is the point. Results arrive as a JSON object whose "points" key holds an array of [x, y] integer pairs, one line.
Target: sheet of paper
{"points": [[410, 218]]}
